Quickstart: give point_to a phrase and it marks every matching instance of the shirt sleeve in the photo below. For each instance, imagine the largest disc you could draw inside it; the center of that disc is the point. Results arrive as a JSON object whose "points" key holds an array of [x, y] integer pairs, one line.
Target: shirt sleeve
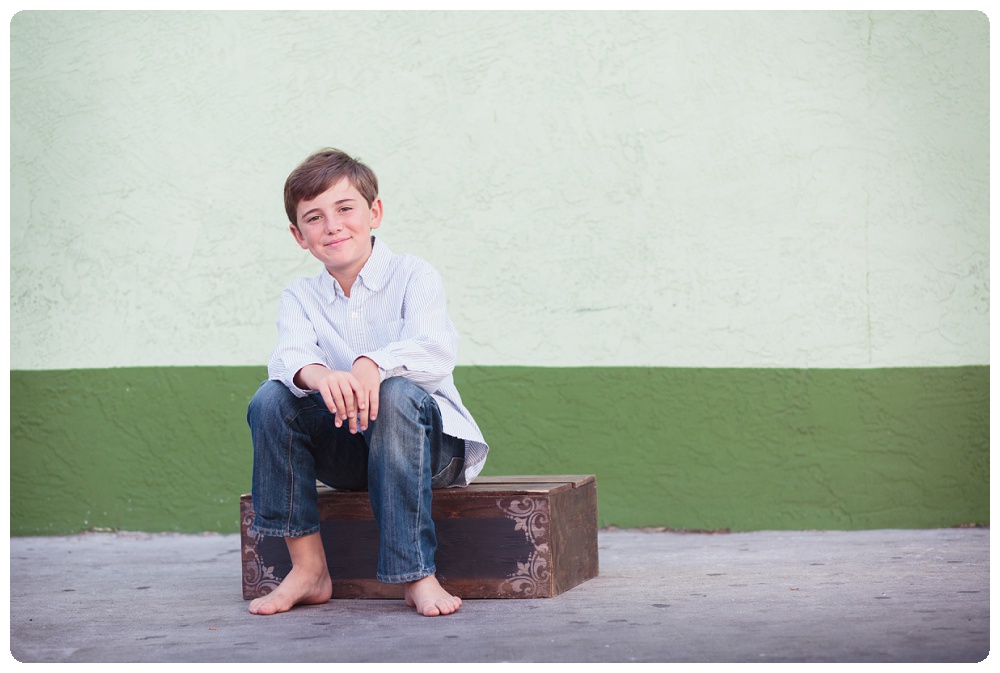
{"points": [[423, 344], [297, 344]]}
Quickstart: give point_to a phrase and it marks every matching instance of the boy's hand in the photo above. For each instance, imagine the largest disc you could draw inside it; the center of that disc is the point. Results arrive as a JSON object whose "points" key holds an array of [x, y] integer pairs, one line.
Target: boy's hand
{"points": [[342, 392], [366, 372]]}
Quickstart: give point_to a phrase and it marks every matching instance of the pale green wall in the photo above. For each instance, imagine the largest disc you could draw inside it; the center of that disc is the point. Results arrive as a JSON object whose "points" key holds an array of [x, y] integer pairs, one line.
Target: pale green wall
{"points": [[751, 210], [805, 189]]}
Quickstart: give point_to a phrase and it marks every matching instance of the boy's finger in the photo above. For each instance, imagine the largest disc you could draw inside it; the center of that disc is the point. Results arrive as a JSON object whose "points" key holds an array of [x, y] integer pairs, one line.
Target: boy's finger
{"points": [[328, 400], [362, 417], [347, 395], [372, 388], [373, 403], [372, 407], [340, 406], [350, 405]]}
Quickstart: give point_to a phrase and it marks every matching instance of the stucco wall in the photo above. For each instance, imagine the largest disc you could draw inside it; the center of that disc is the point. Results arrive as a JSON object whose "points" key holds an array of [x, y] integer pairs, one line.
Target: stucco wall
{"points": [[654, 189], [654, 199]]}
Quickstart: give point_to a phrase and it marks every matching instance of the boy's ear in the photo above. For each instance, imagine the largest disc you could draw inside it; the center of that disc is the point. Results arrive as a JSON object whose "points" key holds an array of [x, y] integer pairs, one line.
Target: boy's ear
{"points": [[376, 210], [299, 238]]}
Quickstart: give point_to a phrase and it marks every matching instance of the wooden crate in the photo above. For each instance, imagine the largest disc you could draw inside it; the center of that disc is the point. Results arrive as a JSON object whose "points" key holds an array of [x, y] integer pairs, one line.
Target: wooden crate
{"points": [[500, 537]]}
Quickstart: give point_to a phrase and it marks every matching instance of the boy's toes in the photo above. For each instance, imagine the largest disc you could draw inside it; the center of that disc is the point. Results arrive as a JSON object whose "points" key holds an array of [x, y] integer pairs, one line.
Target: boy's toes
{"points": [[429, 599]]}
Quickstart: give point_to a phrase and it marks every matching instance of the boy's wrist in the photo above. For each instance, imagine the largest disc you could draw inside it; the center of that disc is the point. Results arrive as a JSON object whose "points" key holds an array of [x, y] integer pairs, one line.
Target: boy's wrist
{"points": [[378, 367], [306, 377]]}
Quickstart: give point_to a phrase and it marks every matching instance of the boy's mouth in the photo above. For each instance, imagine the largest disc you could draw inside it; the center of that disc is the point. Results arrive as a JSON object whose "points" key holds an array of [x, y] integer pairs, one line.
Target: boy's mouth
{"points": [[336, 242]]}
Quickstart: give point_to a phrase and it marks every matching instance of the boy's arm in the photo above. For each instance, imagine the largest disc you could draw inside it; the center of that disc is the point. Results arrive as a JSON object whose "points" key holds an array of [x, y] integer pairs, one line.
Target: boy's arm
{"points": [[297, 345], [425, 346]]}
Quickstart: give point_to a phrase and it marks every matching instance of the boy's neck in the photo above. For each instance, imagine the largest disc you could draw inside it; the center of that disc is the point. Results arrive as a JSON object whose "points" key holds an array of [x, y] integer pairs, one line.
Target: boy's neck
{"points": [[346, 278]]}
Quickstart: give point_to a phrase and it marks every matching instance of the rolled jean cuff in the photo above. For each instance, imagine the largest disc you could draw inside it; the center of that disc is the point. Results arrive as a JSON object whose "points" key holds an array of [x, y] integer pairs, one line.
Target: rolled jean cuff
{"points": [[281, 532], [409, 577]]}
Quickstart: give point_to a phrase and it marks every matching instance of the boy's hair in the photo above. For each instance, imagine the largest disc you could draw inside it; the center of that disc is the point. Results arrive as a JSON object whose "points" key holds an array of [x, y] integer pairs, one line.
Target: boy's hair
{"points": [[320, 171]]}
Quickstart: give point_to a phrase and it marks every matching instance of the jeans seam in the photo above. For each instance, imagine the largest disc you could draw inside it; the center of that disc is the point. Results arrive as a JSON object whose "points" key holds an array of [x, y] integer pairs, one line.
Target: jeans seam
{"points": [[291, 471], [425, 422], [416, 524]]}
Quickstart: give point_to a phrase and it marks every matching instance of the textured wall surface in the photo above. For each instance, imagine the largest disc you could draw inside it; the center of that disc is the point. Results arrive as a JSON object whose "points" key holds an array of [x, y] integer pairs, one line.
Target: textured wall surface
{"points": [[735, 264], [654, 189], [748, 449]]}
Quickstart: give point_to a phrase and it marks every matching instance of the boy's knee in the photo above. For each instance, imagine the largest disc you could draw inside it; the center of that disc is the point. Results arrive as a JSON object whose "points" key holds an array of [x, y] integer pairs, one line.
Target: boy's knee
{"points": [[400, 393], [269, 398]]}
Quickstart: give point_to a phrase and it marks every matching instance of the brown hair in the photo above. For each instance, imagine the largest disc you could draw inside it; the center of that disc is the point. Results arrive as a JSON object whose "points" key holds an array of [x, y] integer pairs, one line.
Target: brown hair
{"points": [[320, 171]]}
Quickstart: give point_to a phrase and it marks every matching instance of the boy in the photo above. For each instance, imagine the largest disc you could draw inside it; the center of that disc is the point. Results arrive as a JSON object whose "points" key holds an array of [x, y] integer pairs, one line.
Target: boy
{"points": [[360, 393]]}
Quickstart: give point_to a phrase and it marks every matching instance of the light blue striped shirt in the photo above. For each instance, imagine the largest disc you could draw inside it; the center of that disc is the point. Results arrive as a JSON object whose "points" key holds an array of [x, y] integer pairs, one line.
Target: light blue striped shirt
{"points": [[396, 315]]}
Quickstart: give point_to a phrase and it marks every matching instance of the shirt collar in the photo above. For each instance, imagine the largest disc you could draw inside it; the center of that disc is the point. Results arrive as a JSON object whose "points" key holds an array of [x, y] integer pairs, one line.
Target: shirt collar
{"points": [[375, 273]]}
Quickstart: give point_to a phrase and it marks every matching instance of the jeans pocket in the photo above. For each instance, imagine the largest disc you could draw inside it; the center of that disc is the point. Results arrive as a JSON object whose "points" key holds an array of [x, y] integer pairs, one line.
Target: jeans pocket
{"points": [[449, 474]]}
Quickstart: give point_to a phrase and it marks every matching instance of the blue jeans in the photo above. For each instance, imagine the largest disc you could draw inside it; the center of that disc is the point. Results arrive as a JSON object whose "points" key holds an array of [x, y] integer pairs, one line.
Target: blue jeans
{"points": [[400, 457]]}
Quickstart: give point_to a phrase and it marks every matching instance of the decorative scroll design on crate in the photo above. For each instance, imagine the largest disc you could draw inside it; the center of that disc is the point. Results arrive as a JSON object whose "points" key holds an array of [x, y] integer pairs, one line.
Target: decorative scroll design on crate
{"points": [[532, 518], [257, 577]]}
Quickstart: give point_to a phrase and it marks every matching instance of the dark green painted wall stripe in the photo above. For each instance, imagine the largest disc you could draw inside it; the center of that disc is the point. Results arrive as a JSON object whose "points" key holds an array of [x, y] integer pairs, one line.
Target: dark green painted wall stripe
{"points": [[167, 449]]}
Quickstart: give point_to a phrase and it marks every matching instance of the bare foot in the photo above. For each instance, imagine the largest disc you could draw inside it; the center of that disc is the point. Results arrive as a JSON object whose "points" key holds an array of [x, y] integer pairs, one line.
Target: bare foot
{"points": [[300, 587], [430, 600], [308, 582]]}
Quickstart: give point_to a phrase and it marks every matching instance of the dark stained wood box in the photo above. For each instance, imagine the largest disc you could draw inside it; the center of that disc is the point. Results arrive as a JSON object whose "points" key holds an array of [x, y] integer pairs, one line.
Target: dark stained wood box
{"points": [[500, 537]]}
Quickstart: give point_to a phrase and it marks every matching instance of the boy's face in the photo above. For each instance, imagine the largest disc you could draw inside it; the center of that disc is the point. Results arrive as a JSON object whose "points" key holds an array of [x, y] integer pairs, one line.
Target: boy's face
{"points": [[336, 228]]}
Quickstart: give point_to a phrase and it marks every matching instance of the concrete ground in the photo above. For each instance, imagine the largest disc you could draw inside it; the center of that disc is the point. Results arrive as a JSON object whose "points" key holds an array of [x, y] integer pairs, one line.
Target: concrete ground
{"points": [[816, 596]]}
